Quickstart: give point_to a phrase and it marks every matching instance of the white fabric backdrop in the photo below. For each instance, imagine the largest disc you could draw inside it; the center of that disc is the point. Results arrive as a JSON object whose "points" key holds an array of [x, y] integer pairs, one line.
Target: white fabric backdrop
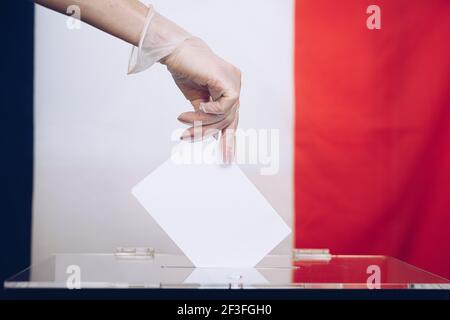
{"points": [[98, 131]]}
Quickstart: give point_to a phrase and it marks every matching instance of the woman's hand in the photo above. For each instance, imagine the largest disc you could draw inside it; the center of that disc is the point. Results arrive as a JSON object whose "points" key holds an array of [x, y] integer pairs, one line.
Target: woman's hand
{"points": [[213, 86], [210, 83]]}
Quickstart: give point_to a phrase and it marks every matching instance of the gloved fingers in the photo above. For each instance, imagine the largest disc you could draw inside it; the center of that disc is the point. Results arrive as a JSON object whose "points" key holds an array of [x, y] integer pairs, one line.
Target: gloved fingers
{"points": [[198, 133], [223, 105], [228, 140], [193, 133], [196, 103], [198, 116]]}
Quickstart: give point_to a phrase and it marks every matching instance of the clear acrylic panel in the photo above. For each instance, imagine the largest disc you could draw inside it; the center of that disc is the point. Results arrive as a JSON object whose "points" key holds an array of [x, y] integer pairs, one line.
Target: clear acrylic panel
{"points": [[148, 270]]}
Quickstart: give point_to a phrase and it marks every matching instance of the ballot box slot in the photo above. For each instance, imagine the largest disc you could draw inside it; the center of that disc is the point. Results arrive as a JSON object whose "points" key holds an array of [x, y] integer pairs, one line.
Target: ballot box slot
{"points": [[311, 255], [131, 253]]}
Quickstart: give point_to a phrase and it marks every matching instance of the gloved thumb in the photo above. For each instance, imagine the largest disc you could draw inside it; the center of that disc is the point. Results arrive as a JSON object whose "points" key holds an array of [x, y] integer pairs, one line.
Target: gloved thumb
{"points": [[221, 106]]}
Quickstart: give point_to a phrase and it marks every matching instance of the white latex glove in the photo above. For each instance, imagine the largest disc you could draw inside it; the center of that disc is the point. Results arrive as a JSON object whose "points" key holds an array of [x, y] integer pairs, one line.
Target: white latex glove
{"points": [[211, 84]]}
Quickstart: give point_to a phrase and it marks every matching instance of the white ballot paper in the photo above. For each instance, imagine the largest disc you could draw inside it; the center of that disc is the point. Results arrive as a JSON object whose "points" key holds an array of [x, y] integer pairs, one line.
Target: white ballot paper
{"points": [[213, 213]]}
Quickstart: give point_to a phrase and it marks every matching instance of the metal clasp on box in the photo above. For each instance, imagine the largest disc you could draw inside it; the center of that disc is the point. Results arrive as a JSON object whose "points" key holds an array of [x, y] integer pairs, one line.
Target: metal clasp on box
{"points": [[135, 253], [311, 255]]}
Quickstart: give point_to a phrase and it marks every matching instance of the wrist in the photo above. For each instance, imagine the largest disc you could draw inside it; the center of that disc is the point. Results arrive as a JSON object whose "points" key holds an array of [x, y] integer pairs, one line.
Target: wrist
{"points": [[159, 38], [163, 32]]}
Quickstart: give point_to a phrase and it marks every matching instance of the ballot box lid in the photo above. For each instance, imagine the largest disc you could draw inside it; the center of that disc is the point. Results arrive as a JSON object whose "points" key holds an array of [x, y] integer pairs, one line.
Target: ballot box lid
{"points": [[146, 269]]}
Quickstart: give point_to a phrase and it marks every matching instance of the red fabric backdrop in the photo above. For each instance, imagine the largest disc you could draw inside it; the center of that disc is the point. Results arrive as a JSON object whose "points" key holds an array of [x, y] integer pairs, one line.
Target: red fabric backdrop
{"points": [[372, 136]]}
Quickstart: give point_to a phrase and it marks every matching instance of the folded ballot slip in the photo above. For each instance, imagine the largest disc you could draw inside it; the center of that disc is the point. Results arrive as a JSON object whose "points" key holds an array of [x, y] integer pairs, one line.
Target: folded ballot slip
{"points": [[213, 213]]}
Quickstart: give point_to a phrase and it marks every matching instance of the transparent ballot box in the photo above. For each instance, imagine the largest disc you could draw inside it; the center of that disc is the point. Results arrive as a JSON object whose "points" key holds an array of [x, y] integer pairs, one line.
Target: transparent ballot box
{"points": [[304, 269]]}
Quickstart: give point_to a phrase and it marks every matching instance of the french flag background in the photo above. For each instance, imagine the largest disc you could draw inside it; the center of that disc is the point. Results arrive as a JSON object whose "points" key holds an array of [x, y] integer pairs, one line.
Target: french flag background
{"points": [[364, 120]]}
